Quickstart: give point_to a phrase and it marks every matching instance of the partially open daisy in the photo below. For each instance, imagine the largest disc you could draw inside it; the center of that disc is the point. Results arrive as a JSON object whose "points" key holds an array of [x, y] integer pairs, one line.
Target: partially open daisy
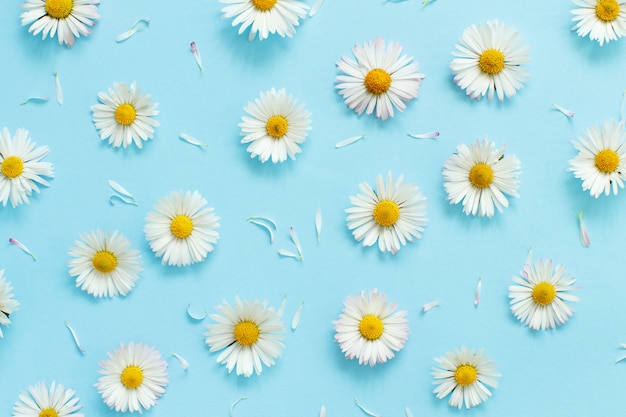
{"points": [[181, 230], [249, 333], [125, 116], [7, 303], [65, 18], [275, 127], [391, 215], [465, 374], [602, 20], [133, 378], [41, 401], [601, 159], [489, 60], [381, 78], [21, 167], [265, 17], [370, 329], [479, 176], [103, 264]]}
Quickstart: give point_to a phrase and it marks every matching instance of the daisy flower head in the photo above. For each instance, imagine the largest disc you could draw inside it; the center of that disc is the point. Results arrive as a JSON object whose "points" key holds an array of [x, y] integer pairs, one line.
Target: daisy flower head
{"points": [[391, 215], [133, 378], [249, 333], [41, 401], [381, 78], [265, 17], [68, 19], [124, 116], [370, 329], [489, 60], [181, 230], [103, 264], [276, 125], [7, 303], [601, 159], [601, 20], [479, 176]]}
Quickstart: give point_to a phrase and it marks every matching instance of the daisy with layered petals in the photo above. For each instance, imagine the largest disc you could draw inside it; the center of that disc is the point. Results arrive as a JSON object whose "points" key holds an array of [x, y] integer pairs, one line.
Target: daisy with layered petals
{"points": [[381, 78], [103, 264], [133, 378], [370, 329], [125, 116], [43, 402], [465, 374], [391, 215], [265, 17], [276, 125], [249, 333], [479, 176], [7, 303], [602, 20], [68, 19], [601, 159], [489, 60]]}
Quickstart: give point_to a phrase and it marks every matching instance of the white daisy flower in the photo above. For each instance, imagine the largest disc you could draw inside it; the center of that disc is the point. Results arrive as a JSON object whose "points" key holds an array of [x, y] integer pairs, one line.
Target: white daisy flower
{"points": [[601, 159], [380, 78], [181, 230], [370, 329], [466, 374], [275, 127], [133, 378], [125, 116], [7, 303], [489, 60], [21, 168], [391, 215], [43, 402], [265, 17], [103, 264], [65, 18], [602, 20], [250, 334], [479, 176]]}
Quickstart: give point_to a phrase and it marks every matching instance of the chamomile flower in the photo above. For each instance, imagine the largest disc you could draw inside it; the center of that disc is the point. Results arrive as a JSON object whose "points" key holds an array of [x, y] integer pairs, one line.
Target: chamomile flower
{"points": [[489, 60], [276, 125], [133, 378], [370, 329], [125, 116], [65, 18], [7, 303], [41, 401], [391, 215], [265, 17], [381, 78], [103, 264], [479, 176], [601, 159], [181, 231], [249, 333], [601, 20], [464, 375]]}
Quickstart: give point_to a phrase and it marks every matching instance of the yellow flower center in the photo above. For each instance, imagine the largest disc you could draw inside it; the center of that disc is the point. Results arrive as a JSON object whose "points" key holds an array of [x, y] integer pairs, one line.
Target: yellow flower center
{"points": [[481, 175], [48, 412], [277, 127], [377, 81], [543, 293], [607, 161], [12, 167], [59, 9], [607, 10], [246, 333], [371, 327], [104, 261], [386, 213], [264, 5], [132, 377], [125, 114], [491, 61], [465, 375], [181, 226]]}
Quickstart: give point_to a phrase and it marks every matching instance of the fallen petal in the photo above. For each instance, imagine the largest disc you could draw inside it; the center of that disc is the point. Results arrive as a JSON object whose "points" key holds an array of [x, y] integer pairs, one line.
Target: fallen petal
{"points": [[429, 306], [296, 317], [58, 88], [318, 223], [22, 247], [183, 363], [431, 135], [348, 141], [563, 110], [196, 316], [191, 140], [35, 100], [74, 337]]}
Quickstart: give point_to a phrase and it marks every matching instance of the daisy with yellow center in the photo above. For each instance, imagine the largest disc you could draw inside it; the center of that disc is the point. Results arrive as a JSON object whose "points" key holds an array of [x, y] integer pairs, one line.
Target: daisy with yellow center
{"points": [[41, 401], [380, 79], [489, 60], [369, 329], [601, 159], [480, 177], [601, 20], [464, 375], [7, 303], [265, 17], [249, 335], [125, 116], [103, 264]]}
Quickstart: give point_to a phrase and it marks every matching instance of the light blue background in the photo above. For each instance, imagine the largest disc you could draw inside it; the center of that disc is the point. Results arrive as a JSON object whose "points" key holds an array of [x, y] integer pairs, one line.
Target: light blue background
{"points": [[566, 372]]}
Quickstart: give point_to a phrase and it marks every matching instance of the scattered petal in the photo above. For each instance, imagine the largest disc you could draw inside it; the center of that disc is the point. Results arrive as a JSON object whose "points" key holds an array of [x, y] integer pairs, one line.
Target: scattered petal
{"points": [[408, 412], [427, 2], [191, 140], [323, 412], [73, 333], [232, 407], [58, 88], [264, 225], [183, 362], [431, 135], [120, 190], [136, 27], [296, 317], [429, 306], [263, 219], [318, 223], [366, 411], [196, 55], [584, 234], [196, 316], [348, 141], [620, 359], [22, 247], [315, 8], [288, 254], [122, 199], [281, 308], [479, 288], [296, 242], [35, 100], [563, 110]]}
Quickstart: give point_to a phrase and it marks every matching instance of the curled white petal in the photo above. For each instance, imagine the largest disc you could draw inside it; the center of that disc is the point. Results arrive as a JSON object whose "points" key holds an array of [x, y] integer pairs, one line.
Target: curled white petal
{"points": [[191, 140], [365, 410], [265, 226], [288, 254], [120, 190], [232, 407], [183, 362], [429, 306], [22, 247], [73, 333], [318, 223], [348, 141], [35, 99], [296, 317], [584, 234], [196, 316], [563, 110], [479, 287], [136, 27], [431, 135], [295, 241]]}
